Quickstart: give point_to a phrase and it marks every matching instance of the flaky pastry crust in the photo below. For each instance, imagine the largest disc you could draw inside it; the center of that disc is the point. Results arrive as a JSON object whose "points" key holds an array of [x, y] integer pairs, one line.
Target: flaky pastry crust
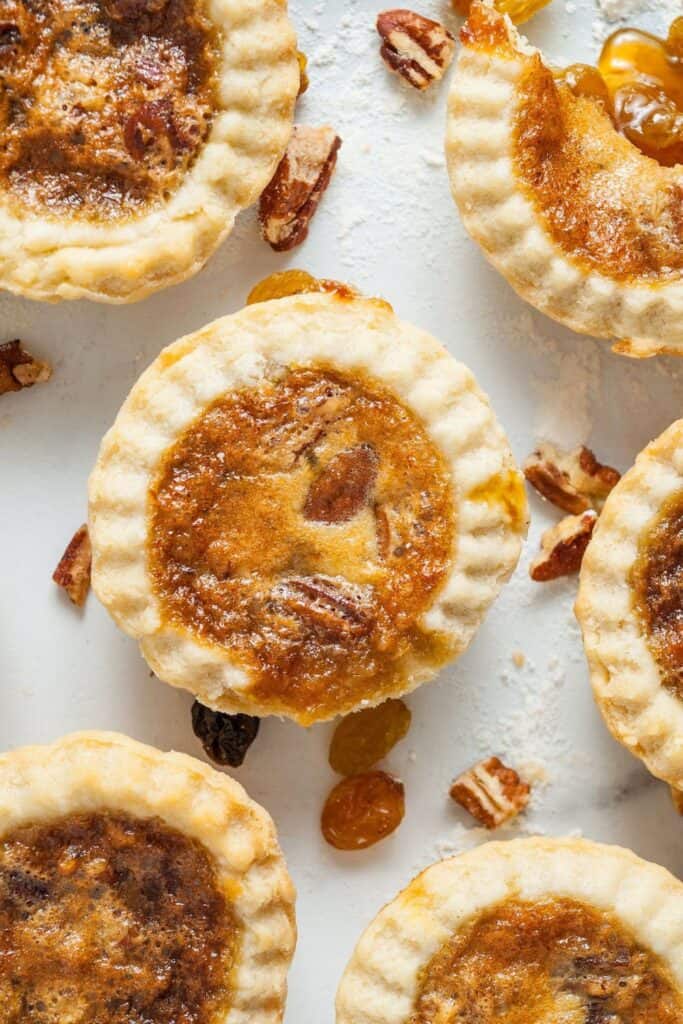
{"points": [[627, 681], [102, 771], [382, 979], [637, 199], [52, 257], [350, 334]]}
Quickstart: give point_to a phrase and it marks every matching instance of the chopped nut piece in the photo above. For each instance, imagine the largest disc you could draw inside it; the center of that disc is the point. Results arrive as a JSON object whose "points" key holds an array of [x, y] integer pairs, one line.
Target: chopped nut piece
{"points": [[677, 797], [20, 370], [343, 487], [573, 481], [491, 792], [73, 571], [325, 605], [292, 197], [563, 547], [303, 73], [417, 48]]}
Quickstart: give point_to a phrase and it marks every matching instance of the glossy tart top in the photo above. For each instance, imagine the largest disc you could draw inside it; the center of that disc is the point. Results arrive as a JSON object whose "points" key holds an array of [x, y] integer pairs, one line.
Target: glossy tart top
{"points": [[557, 182], [631, 610], [534, 931], [137, 886], [133, 132], [303, 508]]}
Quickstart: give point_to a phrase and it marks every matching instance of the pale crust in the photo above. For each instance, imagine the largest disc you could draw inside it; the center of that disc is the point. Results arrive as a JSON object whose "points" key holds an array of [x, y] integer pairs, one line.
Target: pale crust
{"points": [[349, 334], [95, 771], [52, 258], [380, 983], [639, 711], [645, 317]]}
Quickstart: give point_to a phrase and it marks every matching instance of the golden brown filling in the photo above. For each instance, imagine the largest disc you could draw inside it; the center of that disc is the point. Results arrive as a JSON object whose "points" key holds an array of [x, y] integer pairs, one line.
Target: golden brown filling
{"points": [[545, 963], [658, 583], [104, 104], [109, 919], [306, 524]]}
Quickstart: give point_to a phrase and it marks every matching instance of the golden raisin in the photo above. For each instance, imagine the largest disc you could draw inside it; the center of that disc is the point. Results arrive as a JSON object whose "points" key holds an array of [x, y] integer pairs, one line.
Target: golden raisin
{"points": [[585, 80], [283, 283], [519, 10], [303, 73], [365, 737], [362, 809]]}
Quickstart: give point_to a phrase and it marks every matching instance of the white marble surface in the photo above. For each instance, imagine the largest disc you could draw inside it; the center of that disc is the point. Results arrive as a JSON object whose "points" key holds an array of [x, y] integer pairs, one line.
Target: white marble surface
{"points": [[388, 225]]}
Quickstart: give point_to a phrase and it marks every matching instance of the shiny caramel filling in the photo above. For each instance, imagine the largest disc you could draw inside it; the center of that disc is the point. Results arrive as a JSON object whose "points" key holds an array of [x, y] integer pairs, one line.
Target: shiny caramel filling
{"points": [[110, 919], [104, 104], [639, 81], [544, 963], [657, 580], [307, 525]]}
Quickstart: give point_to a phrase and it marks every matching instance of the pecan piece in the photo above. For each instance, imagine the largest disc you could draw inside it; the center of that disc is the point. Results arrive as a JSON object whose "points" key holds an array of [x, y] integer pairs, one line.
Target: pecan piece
{"points": [[491, 792], [417, 48], [343, 487], [73, 571], [325, 604], [20, 370], [573, 481], [290, 200], [563, 547]]}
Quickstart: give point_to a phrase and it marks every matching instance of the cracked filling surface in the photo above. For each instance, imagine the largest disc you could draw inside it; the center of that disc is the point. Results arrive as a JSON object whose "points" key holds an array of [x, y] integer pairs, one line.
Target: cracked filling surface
{"points": [[104, 104], [658, 581], [110, 919], [546, 962], [306, 524]]}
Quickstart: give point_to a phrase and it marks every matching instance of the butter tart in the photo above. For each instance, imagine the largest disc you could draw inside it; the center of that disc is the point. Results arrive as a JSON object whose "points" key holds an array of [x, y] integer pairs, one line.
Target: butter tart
{"points": [[137, 887], [566, 179], [134, 131], [630, 607], [532, 931], [304, 508]]}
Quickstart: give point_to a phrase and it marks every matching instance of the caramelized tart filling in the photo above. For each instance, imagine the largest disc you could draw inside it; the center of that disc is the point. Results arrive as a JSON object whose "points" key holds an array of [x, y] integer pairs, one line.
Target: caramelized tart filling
{"points": [[658, 582], [542, 963], [110, 919], [601, 202], [306, 524], [104, 104]]}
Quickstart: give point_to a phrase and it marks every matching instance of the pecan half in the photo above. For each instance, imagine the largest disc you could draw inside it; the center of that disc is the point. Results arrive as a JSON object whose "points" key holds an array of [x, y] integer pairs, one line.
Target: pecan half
{"points": [[573, 481], [343, 488], [20, 370], [417, 48], [563, 547], [491, 792], [324, 604], [73, 571], [292, 197]]}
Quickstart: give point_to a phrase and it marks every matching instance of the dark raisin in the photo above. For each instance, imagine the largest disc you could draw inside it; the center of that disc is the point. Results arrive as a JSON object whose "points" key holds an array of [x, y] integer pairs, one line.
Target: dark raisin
{"points": [[225, 738]]}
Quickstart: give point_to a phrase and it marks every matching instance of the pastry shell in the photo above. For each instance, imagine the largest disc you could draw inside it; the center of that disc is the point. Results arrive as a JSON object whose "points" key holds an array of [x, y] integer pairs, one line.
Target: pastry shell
{"points": [[627, 683], [52, 257], [644, 315], [95, 771], [350, 334], [382, 979]]}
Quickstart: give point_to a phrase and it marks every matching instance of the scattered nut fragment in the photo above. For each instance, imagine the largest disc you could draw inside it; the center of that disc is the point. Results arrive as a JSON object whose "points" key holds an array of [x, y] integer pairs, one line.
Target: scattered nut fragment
{"points": [[290, 200], [417, 48], [563, 547], [573, 481], [73, 571], [491, 792], [19, 369], [677, 797]]}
